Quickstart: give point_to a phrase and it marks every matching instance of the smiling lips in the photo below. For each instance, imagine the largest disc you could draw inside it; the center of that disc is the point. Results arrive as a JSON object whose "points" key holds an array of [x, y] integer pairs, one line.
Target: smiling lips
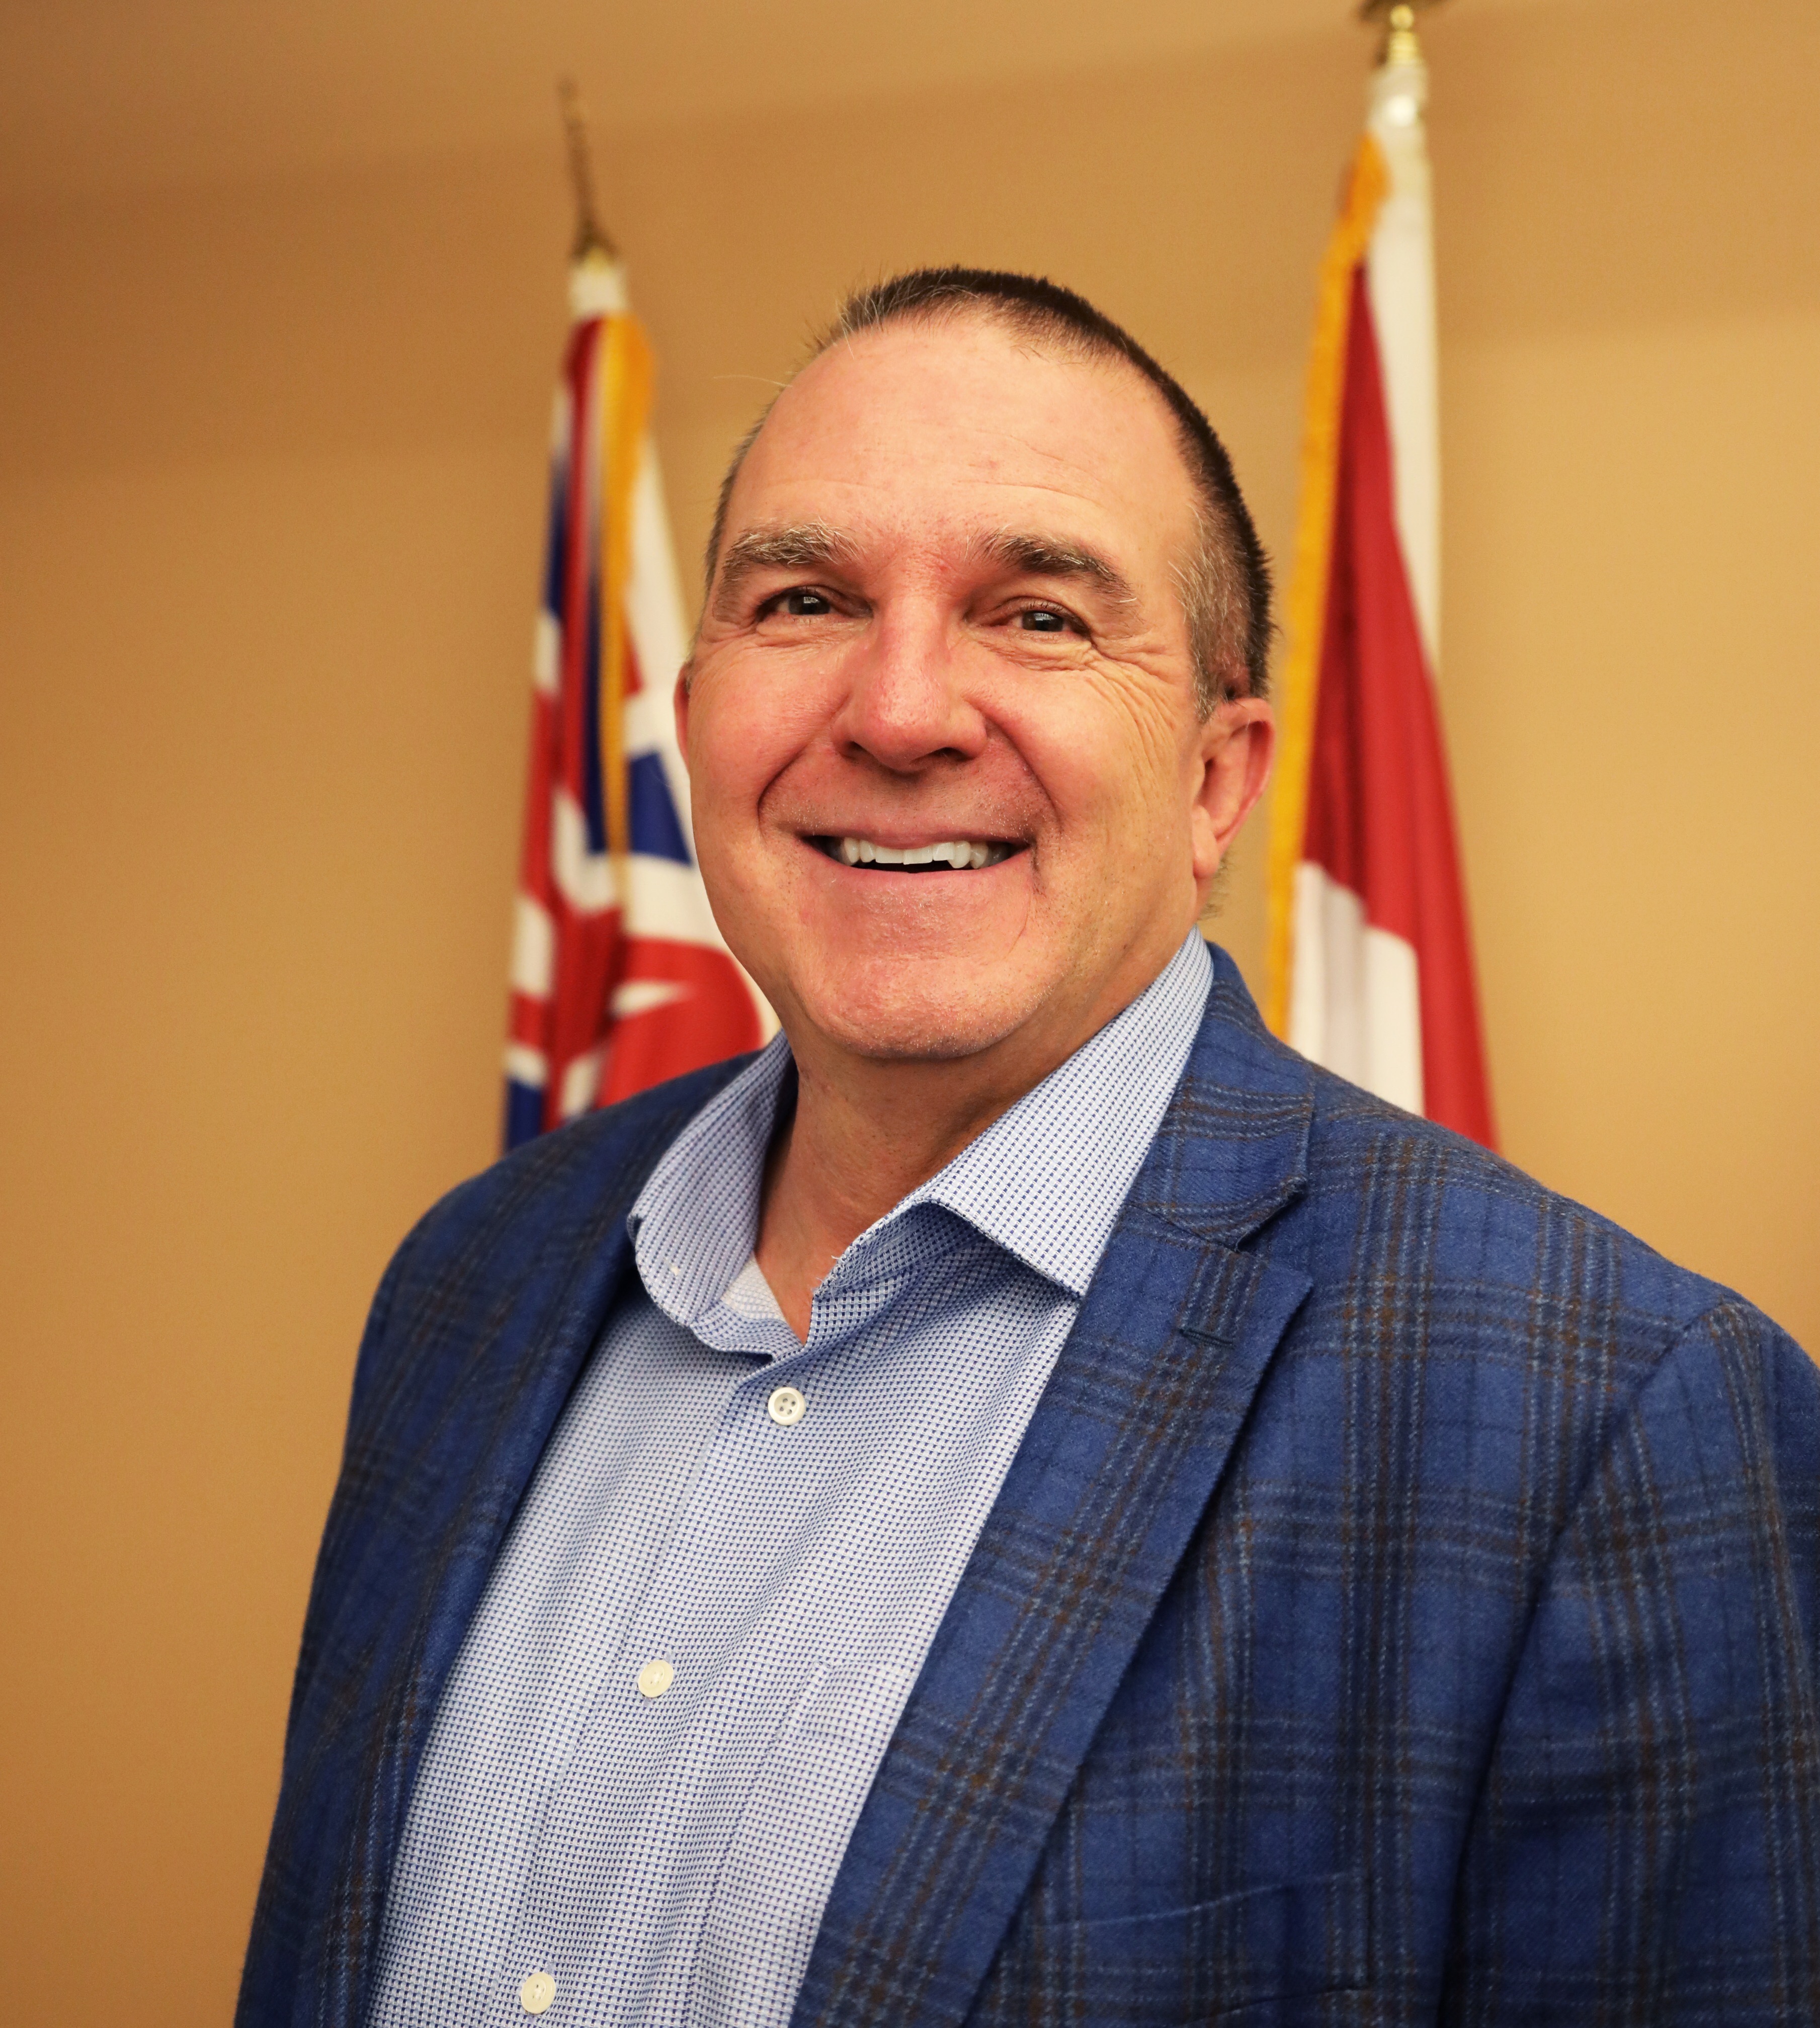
{"points": [[954, 855]]}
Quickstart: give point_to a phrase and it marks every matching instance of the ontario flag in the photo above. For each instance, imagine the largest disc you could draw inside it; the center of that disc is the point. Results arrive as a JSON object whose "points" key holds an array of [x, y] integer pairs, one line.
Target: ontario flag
{"points": [[619, 977], [1371, 970]]}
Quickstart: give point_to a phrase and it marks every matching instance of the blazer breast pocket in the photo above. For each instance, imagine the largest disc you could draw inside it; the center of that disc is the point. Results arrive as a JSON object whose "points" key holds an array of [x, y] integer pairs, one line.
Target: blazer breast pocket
{"points": [[1258, 1959]]}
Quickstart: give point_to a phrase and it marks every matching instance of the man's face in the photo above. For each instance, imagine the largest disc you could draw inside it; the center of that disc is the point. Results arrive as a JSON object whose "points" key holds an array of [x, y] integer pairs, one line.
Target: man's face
{"points": [[945, 614]]}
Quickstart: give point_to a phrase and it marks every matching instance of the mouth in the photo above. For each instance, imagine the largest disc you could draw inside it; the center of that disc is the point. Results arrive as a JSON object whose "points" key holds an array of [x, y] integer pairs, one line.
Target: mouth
{"points": [[958, 855]]}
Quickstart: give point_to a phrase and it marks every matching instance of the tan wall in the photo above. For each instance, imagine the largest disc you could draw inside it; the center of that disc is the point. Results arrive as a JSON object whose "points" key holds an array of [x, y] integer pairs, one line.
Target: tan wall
{"points": [[270, 488]]}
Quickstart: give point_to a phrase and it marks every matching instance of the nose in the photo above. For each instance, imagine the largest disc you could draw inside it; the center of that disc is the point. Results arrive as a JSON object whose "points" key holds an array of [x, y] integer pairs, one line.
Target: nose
{"points": [[905, 706]]}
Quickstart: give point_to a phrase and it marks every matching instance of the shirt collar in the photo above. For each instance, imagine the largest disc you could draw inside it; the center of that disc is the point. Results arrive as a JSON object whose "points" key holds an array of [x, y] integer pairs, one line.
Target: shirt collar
{"points": [[1046, 1181], [695, 1221]]}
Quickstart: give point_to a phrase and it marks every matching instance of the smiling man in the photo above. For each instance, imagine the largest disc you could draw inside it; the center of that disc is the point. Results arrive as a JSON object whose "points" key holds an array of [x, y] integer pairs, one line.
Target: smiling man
{"points": [[1026, 1501], [964, 764]]}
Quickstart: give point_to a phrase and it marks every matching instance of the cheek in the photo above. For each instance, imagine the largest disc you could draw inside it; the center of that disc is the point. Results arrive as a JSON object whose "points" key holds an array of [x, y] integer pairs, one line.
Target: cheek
{"points": [[741, 737], [1108, 764]]}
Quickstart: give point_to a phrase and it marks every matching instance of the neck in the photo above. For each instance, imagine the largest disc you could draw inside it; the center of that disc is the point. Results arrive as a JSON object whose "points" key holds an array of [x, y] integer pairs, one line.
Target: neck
{"points": [[865, 1132], [858, 1142]]}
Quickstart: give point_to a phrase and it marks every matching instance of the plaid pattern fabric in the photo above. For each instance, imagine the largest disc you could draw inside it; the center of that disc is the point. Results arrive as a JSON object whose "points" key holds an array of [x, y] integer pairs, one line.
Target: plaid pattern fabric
{"points": [[1402, 1606]]}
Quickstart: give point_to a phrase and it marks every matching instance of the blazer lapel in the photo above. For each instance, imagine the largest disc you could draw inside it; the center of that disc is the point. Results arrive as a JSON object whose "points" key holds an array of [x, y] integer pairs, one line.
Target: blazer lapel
{"points": [[1117, 1465]]}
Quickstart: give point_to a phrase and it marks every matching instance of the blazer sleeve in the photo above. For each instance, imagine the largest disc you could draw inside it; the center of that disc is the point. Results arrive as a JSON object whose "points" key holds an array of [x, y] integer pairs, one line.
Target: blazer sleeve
{"points": [[382, 1374], [324, 1580], [1646, 1846]]}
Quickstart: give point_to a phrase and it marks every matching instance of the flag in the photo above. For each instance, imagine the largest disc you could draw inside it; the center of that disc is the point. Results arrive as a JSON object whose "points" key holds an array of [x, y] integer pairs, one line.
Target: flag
{"points": [[1371, 969], [619, 978]]}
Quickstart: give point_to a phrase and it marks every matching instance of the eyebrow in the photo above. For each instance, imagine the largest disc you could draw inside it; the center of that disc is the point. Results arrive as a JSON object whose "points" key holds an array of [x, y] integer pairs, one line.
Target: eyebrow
{"points": [[799, 546], [1053, 557]]}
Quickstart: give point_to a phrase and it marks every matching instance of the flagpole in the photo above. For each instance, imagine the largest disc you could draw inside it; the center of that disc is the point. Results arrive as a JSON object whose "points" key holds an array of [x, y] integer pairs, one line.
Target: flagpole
{"points": [[598, 290], [591, 236], [1401, 44]]}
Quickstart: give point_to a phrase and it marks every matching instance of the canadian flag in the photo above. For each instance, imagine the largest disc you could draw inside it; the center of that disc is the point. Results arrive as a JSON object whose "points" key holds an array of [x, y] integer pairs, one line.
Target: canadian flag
{"points": [[1371, 970], [619, 976]]}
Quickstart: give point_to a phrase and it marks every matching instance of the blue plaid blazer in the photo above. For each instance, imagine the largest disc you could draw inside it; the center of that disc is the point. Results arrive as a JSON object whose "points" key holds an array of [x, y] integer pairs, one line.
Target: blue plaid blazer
{"points": [[1403, 1607]]}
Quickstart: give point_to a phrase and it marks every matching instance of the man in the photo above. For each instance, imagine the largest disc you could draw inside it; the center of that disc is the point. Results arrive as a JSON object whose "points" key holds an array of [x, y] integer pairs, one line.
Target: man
{"points": [[1026, 1501]]}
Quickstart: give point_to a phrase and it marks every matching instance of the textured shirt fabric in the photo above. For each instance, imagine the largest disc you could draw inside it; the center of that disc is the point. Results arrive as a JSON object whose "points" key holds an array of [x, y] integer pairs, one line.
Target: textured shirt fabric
{"points": [[666, 1859]]}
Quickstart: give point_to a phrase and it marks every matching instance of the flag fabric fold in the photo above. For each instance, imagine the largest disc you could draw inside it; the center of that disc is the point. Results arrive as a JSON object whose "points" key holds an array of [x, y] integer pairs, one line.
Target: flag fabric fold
{"points": [[619, 977], [1370, 961]]}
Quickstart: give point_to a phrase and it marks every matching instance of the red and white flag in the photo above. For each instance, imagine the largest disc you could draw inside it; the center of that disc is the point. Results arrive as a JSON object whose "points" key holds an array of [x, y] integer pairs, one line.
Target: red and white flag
{"points": [[1371, 969], [619, 977]]}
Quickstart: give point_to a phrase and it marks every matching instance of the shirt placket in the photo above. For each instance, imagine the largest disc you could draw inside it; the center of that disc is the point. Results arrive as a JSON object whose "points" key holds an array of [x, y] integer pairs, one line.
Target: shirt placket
{"points": [[687, 1718]]}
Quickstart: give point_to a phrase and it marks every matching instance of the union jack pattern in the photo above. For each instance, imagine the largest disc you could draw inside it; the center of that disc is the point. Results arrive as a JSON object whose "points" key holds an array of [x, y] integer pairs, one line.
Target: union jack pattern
{"points": [[619, 977]]}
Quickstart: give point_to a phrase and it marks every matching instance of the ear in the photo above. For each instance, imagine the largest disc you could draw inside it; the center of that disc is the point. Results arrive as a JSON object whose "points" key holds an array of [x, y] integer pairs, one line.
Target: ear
{"points": [[1237, 743], [680, 702]]}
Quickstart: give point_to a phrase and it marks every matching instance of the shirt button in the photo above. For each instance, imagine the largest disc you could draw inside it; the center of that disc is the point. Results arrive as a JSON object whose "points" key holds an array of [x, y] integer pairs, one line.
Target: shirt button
{"points": [[786, 1405], [537, 1992], [654, 1679]]}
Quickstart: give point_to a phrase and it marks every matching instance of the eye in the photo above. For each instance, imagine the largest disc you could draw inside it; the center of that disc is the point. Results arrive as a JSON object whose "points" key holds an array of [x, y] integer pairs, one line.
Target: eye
{"points": [[1042, 620], [799, 602]]}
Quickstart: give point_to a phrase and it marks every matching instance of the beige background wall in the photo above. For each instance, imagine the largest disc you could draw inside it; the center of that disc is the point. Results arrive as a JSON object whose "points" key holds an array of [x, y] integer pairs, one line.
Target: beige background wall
{"points": [[278, 319]]}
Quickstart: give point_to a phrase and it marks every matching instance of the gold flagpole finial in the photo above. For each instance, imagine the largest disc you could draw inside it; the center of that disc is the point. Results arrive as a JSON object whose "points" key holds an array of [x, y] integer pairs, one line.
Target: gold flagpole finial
{"points": [[591, 236], [1401, 44]]}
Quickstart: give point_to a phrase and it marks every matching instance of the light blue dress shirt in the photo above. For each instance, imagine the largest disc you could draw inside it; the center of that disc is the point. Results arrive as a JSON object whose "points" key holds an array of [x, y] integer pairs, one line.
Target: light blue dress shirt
{"points": [[710, 1610]]}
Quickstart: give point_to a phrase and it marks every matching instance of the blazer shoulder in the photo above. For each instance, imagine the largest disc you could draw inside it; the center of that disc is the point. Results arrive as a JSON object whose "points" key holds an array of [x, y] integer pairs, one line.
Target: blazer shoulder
{"points": [[1381, 1195], [615, 1148], [1474, 1216], [566, 1189]]}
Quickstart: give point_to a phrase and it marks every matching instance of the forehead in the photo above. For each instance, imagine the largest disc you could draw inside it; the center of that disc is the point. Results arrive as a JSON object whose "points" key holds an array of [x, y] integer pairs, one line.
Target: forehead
{"points": [[962, 424]]}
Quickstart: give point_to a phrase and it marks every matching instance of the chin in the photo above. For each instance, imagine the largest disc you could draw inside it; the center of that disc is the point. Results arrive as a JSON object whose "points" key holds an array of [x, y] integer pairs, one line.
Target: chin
{"points": [[894, 1015]]}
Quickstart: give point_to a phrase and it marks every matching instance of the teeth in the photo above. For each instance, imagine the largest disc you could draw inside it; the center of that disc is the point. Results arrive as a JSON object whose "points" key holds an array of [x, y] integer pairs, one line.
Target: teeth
{"points": [[955, 853]]}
